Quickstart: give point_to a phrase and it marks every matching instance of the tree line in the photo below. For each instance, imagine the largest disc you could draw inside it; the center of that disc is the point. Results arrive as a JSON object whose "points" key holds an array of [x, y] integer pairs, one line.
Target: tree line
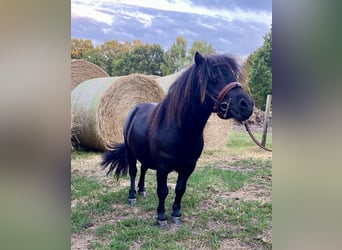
{"points": [[119, 59], [259, 72]]}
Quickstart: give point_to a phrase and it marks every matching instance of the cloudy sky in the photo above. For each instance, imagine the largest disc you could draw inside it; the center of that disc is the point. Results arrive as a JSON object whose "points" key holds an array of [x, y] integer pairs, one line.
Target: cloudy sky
{"points": [[230, 26]]}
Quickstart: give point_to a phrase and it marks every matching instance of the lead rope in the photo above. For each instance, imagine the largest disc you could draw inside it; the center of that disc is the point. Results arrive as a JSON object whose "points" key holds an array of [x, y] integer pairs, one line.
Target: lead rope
{"points": [[254, 139]]}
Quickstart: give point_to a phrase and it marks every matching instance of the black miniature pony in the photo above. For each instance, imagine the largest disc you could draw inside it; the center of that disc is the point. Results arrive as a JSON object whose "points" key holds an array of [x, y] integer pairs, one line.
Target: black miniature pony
{"points": [[169, 136]]}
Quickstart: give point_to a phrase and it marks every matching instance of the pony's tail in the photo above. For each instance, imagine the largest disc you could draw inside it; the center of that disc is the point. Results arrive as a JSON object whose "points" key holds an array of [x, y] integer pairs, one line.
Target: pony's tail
{"points": [[117, 159]]}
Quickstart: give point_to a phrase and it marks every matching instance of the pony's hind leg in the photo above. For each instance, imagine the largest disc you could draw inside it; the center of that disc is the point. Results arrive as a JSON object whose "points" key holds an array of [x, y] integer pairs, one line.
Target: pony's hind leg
{"points": [[132, 173], [141, 184]]}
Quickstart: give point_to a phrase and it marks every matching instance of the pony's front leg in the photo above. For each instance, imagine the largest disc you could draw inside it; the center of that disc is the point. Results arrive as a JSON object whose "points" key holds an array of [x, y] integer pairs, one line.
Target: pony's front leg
{"points": [[162, 191], [180, 190]]}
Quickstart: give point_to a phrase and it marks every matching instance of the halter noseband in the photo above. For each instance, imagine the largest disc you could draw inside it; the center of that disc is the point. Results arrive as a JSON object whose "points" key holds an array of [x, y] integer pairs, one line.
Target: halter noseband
{"points": [[221, 107]]}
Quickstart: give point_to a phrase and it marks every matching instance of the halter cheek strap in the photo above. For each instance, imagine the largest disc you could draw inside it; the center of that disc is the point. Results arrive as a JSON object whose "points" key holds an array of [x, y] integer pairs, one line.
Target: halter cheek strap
{"points": [[221, 107]]}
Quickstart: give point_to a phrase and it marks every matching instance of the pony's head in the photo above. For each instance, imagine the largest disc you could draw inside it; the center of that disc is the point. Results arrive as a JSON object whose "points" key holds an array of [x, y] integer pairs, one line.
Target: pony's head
{"points": [[220, 89]]}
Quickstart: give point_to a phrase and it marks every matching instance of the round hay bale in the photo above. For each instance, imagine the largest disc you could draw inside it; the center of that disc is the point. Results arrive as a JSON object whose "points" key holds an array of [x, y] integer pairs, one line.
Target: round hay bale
{"points": [[216, 133], [216, 129], [100, 107], [166, 81], [82, 70]]}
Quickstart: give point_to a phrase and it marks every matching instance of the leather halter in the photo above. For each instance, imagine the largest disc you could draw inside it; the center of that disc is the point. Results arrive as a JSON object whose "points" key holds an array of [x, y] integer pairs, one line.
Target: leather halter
{"points": [[222, 107]]}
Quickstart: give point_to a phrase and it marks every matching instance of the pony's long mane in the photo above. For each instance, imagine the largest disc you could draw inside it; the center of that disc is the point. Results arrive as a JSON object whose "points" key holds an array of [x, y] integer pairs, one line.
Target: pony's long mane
{"points": [[190, 86]]}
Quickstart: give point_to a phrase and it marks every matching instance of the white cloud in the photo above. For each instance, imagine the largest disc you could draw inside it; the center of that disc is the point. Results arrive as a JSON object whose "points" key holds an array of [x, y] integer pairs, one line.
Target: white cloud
{"points": [[177, 5], [143, 18], [186, 32], [93, 9], [185, 6], [251, 16], [106, 31], [208, 26], [224, 40]]}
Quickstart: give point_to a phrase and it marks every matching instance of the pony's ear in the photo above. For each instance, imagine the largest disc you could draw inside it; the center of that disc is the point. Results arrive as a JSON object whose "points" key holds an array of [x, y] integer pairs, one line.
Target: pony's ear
{"points": [[198, 58]]}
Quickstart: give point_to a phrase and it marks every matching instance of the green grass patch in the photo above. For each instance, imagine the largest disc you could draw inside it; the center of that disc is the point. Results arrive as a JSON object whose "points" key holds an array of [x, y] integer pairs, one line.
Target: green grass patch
{"points": [[106, 229], [241, 141], [212, 177], [82, 186], [80, 219], [253, 216], [144, 233], [262, 170], [209, 216], [78, 154], [210, 151]]}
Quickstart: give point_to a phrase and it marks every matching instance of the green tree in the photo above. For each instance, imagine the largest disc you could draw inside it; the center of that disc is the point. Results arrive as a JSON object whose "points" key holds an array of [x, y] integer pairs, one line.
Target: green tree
{"points": [[79, 47], [175, 58], [260, 72], [247, 65], [202, 47], [155, 59], [145, 59], [111, 50], [97, 57]]}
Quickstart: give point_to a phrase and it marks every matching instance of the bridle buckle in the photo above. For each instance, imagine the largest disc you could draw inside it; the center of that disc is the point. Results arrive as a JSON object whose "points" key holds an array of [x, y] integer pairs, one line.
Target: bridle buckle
{"points": [[224, 108], [221, 107]]}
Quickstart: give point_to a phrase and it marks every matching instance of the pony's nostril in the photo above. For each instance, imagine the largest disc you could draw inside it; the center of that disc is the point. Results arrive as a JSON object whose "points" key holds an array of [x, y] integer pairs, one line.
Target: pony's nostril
{"points": [[243, 104]]}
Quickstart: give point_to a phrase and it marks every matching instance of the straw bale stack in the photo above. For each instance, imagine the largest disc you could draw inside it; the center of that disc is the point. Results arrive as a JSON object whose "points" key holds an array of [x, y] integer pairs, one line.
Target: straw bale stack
{"points": [[216, 130], [82, 70], [100, 107]]}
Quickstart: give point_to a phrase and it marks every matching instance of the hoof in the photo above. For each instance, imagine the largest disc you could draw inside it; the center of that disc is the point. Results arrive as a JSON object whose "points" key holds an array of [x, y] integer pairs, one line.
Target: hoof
{"points": [[162, 223], [142, 193], [132, 202], [176, 220]]}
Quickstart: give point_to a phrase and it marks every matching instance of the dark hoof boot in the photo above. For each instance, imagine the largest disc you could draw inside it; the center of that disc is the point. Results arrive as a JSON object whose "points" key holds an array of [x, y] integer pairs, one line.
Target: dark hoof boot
{"points": [[142, 193], [176, 220], [132, 202], [162, 223]]}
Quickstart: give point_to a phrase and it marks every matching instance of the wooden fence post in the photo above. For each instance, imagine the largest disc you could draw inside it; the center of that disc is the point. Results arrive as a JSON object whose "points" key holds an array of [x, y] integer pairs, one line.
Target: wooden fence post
{"points": [[266, 119]]}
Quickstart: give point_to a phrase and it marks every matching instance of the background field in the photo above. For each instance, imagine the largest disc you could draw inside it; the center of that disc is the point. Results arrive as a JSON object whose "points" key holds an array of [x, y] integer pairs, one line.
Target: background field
{"points": [[227, 204]]}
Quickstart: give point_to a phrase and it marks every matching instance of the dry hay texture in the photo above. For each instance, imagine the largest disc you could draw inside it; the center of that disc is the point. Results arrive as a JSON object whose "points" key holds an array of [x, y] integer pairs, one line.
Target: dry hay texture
{"points": [[100, 107], [216, 131], [82, 70]]}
